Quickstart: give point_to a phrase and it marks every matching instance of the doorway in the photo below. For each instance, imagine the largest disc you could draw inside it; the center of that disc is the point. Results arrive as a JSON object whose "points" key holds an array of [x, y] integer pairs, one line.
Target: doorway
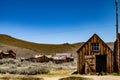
{"points": [[101, 62]]}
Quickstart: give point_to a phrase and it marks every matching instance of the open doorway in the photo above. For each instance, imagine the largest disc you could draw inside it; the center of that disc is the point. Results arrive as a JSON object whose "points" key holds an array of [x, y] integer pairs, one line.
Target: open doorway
{"points": [[101, 62]]}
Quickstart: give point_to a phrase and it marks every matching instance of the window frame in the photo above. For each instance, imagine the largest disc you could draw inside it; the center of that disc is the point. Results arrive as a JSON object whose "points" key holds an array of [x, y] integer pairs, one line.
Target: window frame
{"points": [[95, 46]]}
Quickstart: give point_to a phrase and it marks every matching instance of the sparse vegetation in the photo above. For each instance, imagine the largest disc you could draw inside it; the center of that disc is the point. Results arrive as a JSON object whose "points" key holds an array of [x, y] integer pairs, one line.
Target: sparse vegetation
{"points": [[115, 74], [13, 66], [75, 78], [20, 78]]}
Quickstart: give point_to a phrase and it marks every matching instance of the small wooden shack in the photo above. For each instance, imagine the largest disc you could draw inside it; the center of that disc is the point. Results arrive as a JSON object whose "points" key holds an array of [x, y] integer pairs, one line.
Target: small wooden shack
{"points": [[31, 59], [94, 56], [59, 59], [7, 54], [63, 57], [42, 58]]}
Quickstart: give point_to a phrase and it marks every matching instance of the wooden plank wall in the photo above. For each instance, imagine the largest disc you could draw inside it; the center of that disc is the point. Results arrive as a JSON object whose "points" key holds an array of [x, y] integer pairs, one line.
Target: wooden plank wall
{"points": [[86, 49], [117, 54]]}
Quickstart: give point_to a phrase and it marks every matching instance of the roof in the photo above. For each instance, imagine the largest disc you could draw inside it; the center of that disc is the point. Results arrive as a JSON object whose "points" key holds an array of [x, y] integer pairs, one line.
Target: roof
{"points": [[49, 56], [90, 39], [64, 54], [36, 56], [59, 57]]}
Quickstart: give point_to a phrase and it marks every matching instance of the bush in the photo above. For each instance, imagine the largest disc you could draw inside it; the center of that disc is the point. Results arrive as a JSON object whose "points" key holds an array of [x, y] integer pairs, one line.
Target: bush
{"points": [[115, 74], [20, 78], [29, 78], [12, 71], [9, 61], [14, 66], [25, 71], [33, 71], [3, 71], [75, 78]]}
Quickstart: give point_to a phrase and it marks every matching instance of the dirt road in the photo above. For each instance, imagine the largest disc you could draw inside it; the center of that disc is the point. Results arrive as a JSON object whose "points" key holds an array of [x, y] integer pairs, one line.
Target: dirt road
{"points": [[52, 78], [104, 77], [93, 77]]}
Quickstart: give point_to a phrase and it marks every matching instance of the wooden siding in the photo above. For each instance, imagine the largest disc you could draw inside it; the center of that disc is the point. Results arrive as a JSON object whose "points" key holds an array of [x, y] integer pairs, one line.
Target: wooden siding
{"points": [[117, 54], [87, 57]]}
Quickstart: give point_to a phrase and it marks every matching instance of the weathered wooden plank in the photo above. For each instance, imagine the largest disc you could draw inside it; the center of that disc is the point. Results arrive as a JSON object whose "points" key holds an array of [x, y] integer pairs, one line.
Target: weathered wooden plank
{"points": [[86, 52]]}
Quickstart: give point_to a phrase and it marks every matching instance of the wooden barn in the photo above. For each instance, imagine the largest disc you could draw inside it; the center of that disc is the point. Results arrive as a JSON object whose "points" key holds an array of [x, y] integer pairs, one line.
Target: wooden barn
{"points": [[94, 56]]}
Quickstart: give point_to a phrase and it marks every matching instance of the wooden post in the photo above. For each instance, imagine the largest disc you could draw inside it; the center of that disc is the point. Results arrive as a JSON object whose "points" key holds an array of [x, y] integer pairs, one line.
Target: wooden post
{"points": [[117, 38], [116, 18]]}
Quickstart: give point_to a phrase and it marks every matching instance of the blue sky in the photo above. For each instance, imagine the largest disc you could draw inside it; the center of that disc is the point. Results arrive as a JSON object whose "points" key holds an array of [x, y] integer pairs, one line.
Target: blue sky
{"points": [[58, 21]]}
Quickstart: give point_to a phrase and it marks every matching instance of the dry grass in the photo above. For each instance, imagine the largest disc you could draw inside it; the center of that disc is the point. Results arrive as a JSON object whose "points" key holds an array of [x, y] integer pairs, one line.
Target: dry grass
{"points": [[75, 78], [41, 48], [18, 77], [12, 66]]}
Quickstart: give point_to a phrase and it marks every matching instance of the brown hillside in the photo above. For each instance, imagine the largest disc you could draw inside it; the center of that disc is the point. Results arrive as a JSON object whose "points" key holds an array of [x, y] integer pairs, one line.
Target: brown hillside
{"points": [[27, 49]]}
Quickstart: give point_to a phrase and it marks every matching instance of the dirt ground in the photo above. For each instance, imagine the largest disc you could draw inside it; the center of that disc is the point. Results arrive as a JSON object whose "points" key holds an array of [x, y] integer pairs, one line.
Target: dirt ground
{"points": [[52, 78], [93, 77], [104, 77]]}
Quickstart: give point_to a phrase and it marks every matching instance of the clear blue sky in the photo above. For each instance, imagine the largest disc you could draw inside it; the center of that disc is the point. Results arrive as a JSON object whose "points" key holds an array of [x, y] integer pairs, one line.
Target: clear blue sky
{"points": [[58, 21]]}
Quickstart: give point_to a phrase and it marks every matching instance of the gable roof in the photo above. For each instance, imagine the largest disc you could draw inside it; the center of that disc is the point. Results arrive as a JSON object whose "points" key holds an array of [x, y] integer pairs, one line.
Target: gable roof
{"points": [[90, 39]]}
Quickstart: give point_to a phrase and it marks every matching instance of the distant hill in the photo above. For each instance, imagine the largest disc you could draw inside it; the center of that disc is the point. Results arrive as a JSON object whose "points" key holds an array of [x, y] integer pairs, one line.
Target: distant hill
{"points": [[28, 49]]}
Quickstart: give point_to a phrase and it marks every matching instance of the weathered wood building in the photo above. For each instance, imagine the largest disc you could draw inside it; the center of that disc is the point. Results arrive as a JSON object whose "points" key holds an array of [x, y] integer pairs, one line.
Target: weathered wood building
{"points": [[7, 54], [95, 56], [117, 54]]}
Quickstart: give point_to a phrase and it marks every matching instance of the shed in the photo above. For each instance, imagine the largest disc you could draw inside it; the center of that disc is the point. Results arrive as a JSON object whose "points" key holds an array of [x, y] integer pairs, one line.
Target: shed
{"points": [[42, 58], [94, 56]]}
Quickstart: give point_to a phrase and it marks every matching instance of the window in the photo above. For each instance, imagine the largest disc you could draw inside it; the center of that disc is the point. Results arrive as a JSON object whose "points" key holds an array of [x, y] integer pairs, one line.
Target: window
{"points": [[95, 46]]}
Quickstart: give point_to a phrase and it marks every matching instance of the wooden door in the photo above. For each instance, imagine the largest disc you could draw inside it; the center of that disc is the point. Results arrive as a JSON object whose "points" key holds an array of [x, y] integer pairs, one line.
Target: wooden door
{"points": [[89, 64]]}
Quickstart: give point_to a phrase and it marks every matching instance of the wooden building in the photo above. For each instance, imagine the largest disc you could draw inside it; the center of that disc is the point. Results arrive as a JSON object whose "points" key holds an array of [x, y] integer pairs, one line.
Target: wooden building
{"points": [[94, 56], [43, 58], [117, 54], [63, 57], [7, 54], [38, 58]]}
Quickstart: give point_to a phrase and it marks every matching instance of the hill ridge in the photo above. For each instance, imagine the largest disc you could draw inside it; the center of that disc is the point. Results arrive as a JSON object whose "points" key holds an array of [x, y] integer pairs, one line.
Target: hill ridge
{"points": [[33, 48]]}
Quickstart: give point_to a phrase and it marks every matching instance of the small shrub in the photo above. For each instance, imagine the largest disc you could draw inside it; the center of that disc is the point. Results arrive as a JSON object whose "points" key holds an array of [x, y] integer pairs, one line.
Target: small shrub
{"points": [[75, 78], [33, 71], [20, 78], [8, 61], [18, 65], [3, 71], [115, 74], [5, 78], [29, 78], [12, 71]]}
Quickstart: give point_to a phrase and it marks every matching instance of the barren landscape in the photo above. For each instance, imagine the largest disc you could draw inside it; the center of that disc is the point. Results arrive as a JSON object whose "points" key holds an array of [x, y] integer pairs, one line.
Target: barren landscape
{"points": [[47, 70], [29, 49], [11, 69]]}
